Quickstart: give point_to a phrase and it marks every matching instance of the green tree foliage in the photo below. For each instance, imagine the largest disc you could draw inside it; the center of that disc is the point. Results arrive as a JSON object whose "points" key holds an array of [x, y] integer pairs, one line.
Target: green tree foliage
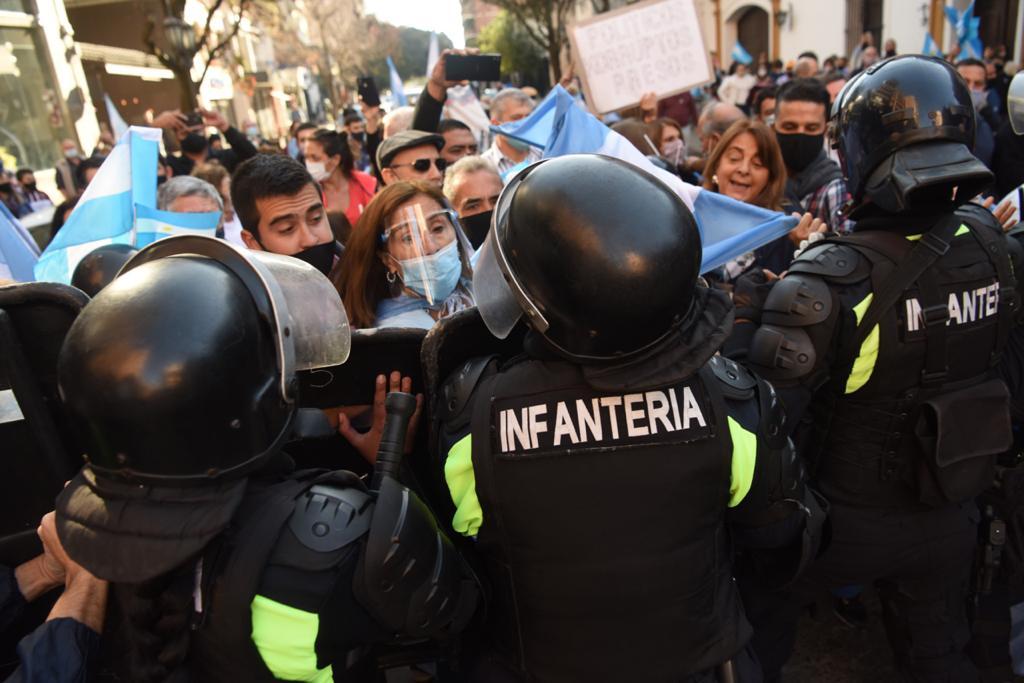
{"points": [[519, 54]]}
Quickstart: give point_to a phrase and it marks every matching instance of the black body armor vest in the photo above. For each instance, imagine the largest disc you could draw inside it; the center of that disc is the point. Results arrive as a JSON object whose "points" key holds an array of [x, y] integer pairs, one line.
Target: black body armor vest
{"points": [[604, 525]]}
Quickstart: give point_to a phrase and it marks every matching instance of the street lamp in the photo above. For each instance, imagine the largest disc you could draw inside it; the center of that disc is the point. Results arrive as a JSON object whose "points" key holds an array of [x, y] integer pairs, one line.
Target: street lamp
{"points": [[182, 39]]}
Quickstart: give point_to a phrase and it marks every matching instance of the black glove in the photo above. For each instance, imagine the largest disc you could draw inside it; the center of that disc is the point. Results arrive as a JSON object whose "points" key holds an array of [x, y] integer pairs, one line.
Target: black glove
{"points": [[749, 294]]}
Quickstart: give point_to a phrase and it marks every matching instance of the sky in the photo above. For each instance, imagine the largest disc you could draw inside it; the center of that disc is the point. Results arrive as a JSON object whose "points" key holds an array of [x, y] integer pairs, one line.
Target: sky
{"points": [[443, 16]]}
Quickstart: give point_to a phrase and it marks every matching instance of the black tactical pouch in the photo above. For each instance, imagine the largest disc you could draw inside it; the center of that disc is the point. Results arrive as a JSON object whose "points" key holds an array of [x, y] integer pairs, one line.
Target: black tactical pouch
{"points": [[961, 433]]}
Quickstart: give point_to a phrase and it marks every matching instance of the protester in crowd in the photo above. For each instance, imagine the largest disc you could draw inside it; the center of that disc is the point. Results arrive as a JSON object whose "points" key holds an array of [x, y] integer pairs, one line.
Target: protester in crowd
{"points": [[806, 67], [10, 196], [34, 197], [889, 49], [397, 120], [714, 120], [218, 177], [397, 272], [814, 182], [301, 132], [747, 166], [681, 108], [472, 186], [670, 141], [163, 170], [355, 128], [834, 82], [216, 142], [411, 155], [1008, 160], [510, 104], [195, 147], [60, 215], [973, 73], [868, 57], [763, 107], [66, 178], [67, 645], [329, 160], [459, 140], [189, 194], [86, 171], [281, 210], [641, 135], [735, 88], [430, 105], [867, 39]]}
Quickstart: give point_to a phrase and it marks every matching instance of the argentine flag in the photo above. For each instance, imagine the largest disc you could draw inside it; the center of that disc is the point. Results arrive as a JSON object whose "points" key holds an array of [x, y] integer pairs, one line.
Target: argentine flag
{"points": [[123, 190], [18, 251], [728, 228], [931, 48], [740, 54], [397, 87]]}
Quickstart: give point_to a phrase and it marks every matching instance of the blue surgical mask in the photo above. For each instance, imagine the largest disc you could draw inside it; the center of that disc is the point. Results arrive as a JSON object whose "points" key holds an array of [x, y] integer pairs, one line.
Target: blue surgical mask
{"points": [[437, 273]]}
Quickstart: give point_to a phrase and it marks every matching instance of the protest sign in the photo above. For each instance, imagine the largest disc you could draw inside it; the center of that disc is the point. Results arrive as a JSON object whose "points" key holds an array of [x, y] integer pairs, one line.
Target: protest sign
{"points": [[650, 46]]}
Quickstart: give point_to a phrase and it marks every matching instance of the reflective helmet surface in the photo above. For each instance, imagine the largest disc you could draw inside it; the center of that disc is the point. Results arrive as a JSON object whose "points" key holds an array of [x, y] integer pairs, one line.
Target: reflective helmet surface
{"points": [[99, 267], [892, 105], [601, 257]]}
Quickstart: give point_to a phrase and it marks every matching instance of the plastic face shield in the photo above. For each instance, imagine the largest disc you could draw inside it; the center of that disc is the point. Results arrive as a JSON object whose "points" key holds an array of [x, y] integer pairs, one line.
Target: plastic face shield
{"points": [[1015, 103], [500, 298], [301, 305], [421, 243]]}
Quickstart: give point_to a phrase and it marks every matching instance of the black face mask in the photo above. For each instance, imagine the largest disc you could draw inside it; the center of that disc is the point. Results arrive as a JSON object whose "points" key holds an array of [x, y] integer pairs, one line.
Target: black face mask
{"points": [[799, 150], [476, 227], [160, 180], [359, 137], [31, 187], [194, 143], [320, 256]]}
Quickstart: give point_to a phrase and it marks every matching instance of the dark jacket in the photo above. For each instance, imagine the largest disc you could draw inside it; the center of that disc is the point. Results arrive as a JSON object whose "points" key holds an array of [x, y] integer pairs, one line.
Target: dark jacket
{"points": [[241, 149]]}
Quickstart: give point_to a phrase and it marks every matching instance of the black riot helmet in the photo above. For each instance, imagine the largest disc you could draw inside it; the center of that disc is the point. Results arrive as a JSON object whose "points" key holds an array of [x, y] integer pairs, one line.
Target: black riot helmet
{"points": [[182, 370], [904, 129], [99, 267], [601, 257]]}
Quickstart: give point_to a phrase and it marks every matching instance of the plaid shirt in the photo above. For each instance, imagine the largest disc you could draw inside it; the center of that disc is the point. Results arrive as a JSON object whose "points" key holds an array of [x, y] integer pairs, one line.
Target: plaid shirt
{"points": [[826, 203], [505, 164]]}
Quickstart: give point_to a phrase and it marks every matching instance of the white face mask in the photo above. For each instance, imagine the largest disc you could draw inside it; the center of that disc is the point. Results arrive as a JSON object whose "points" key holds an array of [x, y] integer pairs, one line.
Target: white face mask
{"points": [[318, 170]]}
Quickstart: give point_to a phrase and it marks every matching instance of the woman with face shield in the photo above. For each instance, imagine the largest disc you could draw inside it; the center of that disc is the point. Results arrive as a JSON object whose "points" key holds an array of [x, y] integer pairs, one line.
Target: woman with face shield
{"points": [[407, 263]]}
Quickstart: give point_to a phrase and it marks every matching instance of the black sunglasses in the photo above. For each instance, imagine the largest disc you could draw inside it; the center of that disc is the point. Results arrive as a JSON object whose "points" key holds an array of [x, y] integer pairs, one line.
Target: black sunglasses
{"points": [[423, 165]]}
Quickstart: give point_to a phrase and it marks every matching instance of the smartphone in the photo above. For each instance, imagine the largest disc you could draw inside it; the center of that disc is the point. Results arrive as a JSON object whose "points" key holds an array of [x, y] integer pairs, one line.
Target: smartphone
{"points": [[486, 67], [368, 91], [193, 119]]}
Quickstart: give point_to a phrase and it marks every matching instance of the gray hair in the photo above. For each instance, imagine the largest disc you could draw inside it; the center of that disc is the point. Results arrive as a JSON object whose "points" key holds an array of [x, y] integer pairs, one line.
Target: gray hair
{"points": [[397, 120], [186, 186], [464, 167], [506, 97]]}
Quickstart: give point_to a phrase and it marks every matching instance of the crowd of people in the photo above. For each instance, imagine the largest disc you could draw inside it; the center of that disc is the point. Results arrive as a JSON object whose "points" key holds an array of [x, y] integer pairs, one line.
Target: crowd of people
{"points": [[189, 542]]}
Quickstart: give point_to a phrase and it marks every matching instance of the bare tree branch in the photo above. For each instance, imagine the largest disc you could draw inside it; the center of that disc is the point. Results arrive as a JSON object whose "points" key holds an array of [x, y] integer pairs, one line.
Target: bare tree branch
{"points": [[212, 53]]}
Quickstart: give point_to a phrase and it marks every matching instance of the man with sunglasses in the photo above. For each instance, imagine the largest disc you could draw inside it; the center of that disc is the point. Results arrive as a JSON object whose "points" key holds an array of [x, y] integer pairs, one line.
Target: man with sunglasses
{"points": [[411, 155]]}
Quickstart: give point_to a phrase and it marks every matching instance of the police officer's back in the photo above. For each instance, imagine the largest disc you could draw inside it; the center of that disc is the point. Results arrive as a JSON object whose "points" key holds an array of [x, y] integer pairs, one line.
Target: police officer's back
{"points": [[607, 470], [181, 378], [886, 342]]}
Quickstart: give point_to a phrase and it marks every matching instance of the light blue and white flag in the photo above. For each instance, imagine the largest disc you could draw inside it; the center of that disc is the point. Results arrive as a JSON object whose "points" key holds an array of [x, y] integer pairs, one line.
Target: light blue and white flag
{"points": [[740, 54], [117, 125], [931, 48], [18, 251], [153, 224], [965, 25], [105, 214], [433, 53], [397, 87], [728, 228]]}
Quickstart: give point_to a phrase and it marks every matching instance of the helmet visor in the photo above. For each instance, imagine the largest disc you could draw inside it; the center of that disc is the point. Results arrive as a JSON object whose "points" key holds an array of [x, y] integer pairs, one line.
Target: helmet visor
{"points": [[426, 249], [316, 319], [1015, 103]]}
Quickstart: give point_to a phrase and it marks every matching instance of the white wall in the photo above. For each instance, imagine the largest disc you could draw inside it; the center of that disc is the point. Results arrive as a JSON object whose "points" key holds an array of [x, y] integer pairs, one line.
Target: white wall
{"points": [[818, 25], [901, 21]]}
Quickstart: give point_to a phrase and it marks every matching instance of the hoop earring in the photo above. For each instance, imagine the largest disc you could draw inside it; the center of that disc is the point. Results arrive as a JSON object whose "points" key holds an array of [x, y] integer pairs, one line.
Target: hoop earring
{"points": [[390, 277]]}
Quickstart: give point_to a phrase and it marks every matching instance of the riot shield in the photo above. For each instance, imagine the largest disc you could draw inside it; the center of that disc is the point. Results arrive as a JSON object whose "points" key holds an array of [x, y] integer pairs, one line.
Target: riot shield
{"points": [[375, 351], [39, 453]]}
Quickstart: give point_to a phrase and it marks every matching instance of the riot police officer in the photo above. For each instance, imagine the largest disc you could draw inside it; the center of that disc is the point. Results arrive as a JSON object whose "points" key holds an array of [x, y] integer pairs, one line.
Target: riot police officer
{"points": [[886, 343], [181, 377], [607, 469]]}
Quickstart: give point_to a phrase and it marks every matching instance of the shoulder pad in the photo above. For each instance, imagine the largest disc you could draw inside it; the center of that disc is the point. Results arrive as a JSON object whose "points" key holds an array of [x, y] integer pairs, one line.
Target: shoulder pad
{"points": [[737, 382], [782, 353], [833, 261], [979, 216], [329, 516], [797, 300], [458, 388]]}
